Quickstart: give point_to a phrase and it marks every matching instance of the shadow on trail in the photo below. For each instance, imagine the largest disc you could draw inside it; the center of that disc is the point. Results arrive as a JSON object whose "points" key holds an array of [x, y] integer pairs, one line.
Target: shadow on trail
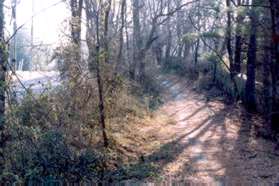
{"points": [[239, 159], [251, 159], [194, 113], [216, 148], [169, 152]]}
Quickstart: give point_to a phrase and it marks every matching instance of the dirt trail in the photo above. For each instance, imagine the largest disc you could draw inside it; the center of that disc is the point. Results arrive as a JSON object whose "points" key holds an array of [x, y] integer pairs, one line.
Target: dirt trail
{"points": [[208, 141]]}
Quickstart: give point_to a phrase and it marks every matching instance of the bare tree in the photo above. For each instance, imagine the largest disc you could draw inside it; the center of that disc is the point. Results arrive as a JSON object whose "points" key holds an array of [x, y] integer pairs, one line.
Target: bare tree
{"points": [[93, 14], [229, 36], [3, 69], [76, 12], [250, 90], [274, 9], [137, 38], [120, 57], [238, 40]]}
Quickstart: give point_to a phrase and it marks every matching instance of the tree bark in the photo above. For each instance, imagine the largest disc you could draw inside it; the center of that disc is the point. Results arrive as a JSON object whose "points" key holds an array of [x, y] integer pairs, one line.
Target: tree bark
{"points": [[168, 41], [238, 41], [274, 9], [76, 11], [267, 89], [137, 43], [229, 37], [74, 68], [100, 87], [140, 47], [196, 56], [179, 24], [106, 30], [93, 18], [121, 38], [274, 4], [3, 61], [250, 89]]}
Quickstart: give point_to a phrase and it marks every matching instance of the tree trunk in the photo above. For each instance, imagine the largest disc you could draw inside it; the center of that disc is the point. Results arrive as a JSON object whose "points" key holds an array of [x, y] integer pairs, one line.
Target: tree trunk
{"points": [[13, 49], [275, 27], [157, 50], [238, 41], [76, 11], [187, 44], [179, 24], [274, 9], [106, 31], [229, 37], [74, 68], [274, 4], [3, 61], [168, 41], [141, 48], [142, 74], [168, 47], [137, 43], [121, 38], [250, 90], [128, 55], [94, 47], [100, 87], [267, 90], [196, 56]]}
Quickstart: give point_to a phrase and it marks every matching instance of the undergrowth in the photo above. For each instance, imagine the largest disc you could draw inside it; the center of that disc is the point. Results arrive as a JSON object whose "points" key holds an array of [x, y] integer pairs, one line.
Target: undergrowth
{"points": [[56, 135], [208, 74]]}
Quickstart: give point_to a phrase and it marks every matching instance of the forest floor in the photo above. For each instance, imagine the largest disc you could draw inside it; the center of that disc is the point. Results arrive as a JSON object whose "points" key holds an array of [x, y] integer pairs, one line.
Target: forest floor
{"points": [[205, 140]]}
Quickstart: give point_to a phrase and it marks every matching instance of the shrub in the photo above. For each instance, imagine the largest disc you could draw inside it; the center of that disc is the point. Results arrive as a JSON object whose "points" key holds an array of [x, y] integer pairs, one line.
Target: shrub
{"points": [[51, 158]]}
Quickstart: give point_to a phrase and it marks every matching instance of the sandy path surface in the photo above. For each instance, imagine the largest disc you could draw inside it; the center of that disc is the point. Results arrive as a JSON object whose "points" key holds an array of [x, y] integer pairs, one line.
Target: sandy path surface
{"points": [[208, 141]]}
